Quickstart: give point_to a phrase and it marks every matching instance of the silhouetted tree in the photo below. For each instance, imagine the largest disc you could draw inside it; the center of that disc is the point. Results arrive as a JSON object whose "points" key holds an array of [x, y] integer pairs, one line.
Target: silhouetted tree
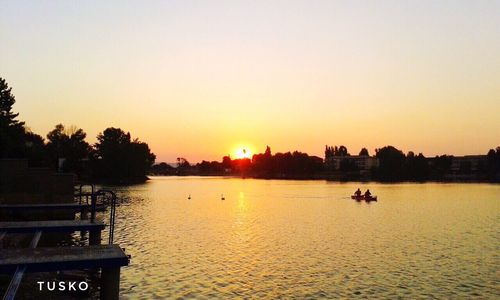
{"points": [[262, 163], [343, 151], [11, 130], [226, 162], [182, 163], [416, 167], [7, 100], [493, 167], [267, 153], [328, 151], [241, 166], [69, 144], [16, 141], [210, 167], [35, 149], [140, 159], [440, 166], [117, 158], [336, 151], [296, 164], [183, 166], [162, 169], [363, 152], [391, 162]]}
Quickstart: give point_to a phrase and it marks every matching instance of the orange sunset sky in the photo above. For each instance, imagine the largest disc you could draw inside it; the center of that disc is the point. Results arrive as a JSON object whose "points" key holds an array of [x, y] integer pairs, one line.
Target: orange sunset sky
{"points": [[203, 79]]}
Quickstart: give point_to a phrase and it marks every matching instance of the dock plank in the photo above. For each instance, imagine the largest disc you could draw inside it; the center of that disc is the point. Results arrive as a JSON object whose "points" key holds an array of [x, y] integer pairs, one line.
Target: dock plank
{"points": [[35, 206], [51, 226], [50, 206], [62, 258]]}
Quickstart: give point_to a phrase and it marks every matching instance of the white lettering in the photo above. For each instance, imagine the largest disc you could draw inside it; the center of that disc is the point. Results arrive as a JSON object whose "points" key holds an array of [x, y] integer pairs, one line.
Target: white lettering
{"points": [[63, 285], [85, 284]]}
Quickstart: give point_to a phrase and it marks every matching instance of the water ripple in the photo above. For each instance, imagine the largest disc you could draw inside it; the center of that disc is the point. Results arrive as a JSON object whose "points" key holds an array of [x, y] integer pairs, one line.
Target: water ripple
{"points": [[305, 240]]}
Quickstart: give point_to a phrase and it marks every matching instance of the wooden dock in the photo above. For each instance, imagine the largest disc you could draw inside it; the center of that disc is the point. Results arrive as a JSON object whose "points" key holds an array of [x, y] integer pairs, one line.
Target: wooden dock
{"points": [[62, 258], [44, 206], [76, 207], [108, 258], [51, 226]]}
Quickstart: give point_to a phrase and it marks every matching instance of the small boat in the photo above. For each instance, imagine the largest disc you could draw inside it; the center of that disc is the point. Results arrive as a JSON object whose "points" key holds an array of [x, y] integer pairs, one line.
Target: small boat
{"points": [[362, 197], [370, 198]]}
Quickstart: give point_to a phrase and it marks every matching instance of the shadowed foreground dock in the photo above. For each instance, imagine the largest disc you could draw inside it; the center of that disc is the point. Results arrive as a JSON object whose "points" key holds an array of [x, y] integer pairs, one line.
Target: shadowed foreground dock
{"points": [[38, 219], [109, 258], [63, 258]]}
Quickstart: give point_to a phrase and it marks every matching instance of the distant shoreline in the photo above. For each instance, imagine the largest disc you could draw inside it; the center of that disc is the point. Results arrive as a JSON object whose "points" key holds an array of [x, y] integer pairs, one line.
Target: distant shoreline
{"points": [[325, 178]]}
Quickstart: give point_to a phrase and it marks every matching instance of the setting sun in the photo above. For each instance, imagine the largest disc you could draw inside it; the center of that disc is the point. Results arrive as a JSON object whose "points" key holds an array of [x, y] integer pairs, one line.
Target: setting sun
{"points": [[264, 149], [243, 152]]}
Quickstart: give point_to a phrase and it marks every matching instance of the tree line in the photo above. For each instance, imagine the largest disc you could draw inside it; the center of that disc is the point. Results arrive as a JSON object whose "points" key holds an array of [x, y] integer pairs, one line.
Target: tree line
{"points": [[115, 157], [294, 164], [264, 165], [392, 165]]}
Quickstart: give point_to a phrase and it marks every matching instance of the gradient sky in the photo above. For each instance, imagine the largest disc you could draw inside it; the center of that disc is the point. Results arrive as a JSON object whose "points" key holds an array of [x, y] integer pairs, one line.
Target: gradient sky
{"points": [[200, 78]]}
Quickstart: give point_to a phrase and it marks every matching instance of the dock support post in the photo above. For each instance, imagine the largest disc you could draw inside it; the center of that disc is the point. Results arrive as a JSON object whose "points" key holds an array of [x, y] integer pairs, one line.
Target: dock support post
{"points": [[95, 237], [110, 283], [93, 200], [83, 214], [2, 235]]}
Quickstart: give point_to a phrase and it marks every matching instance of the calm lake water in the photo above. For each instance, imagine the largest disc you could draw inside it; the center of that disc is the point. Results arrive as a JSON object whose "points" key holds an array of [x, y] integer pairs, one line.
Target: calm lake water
{"points": [[308, 240]]}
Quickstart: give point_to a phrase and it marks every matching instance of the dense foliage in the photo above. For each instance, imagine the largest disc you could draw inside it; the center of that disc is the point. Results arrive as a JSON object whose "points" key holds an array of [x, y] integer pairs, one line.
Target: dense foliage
{"points": [[115, 157], [68, 145], [16, 141], [392, 166]]}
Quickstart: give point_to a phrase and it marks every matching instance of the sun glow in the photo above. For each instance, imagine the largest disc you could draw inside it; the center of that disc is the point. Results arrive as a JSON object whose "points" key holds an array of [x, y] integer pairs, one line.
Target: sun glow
{"points": [[243, 152]]}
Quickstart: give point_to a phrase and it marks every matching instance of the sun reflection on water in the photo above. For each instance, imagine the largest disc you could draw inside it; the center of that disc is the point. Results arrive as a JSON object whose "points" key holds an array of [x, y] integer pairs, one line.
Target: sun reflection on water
{"points": [[242, 203], [306, 239]]}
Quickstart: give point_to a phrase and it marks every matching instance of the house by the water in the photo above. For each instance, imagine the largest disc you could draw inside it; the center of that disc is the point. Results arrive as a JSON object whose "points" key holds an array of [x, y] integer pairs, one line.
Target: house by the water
{"points": [[351, 166]]}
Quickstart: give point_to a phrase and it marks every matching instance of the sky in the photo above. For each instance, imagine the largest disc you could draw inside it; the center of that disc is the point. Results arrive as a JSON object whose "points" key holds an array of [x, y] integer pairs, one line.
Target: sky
{"points": [[203, 79]]}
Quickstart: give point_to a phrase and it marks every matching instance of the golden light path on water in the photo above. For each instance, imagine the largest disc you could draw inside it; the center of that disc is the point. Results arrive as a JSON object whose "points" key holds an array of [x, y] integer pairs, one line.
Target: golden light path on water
{"points": [[307, 239]]}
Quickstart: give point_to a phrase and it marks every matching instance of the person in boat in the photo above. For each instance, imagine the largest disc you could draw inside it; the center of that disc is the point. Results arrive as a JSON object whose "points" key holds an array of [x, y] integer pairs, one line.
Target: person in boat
{"points": [[357, 193], [368, 194]]}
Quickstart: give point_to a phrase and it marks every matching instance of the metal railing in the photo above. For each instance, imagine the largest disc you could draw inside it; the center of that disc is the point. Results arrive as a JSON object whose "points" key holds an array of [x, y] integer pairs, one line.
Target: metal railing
{"points": [[108, 198], [100, 199], [82, 194]]}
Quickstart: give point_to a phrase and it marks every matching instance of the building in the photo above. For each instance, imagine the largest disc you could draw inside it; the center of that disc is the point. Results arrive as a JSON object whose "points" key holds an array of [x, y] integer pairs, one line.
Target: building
{"points": [[461, 168], [469, 164], [21, 184], [361, 163], [469, 167]]}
